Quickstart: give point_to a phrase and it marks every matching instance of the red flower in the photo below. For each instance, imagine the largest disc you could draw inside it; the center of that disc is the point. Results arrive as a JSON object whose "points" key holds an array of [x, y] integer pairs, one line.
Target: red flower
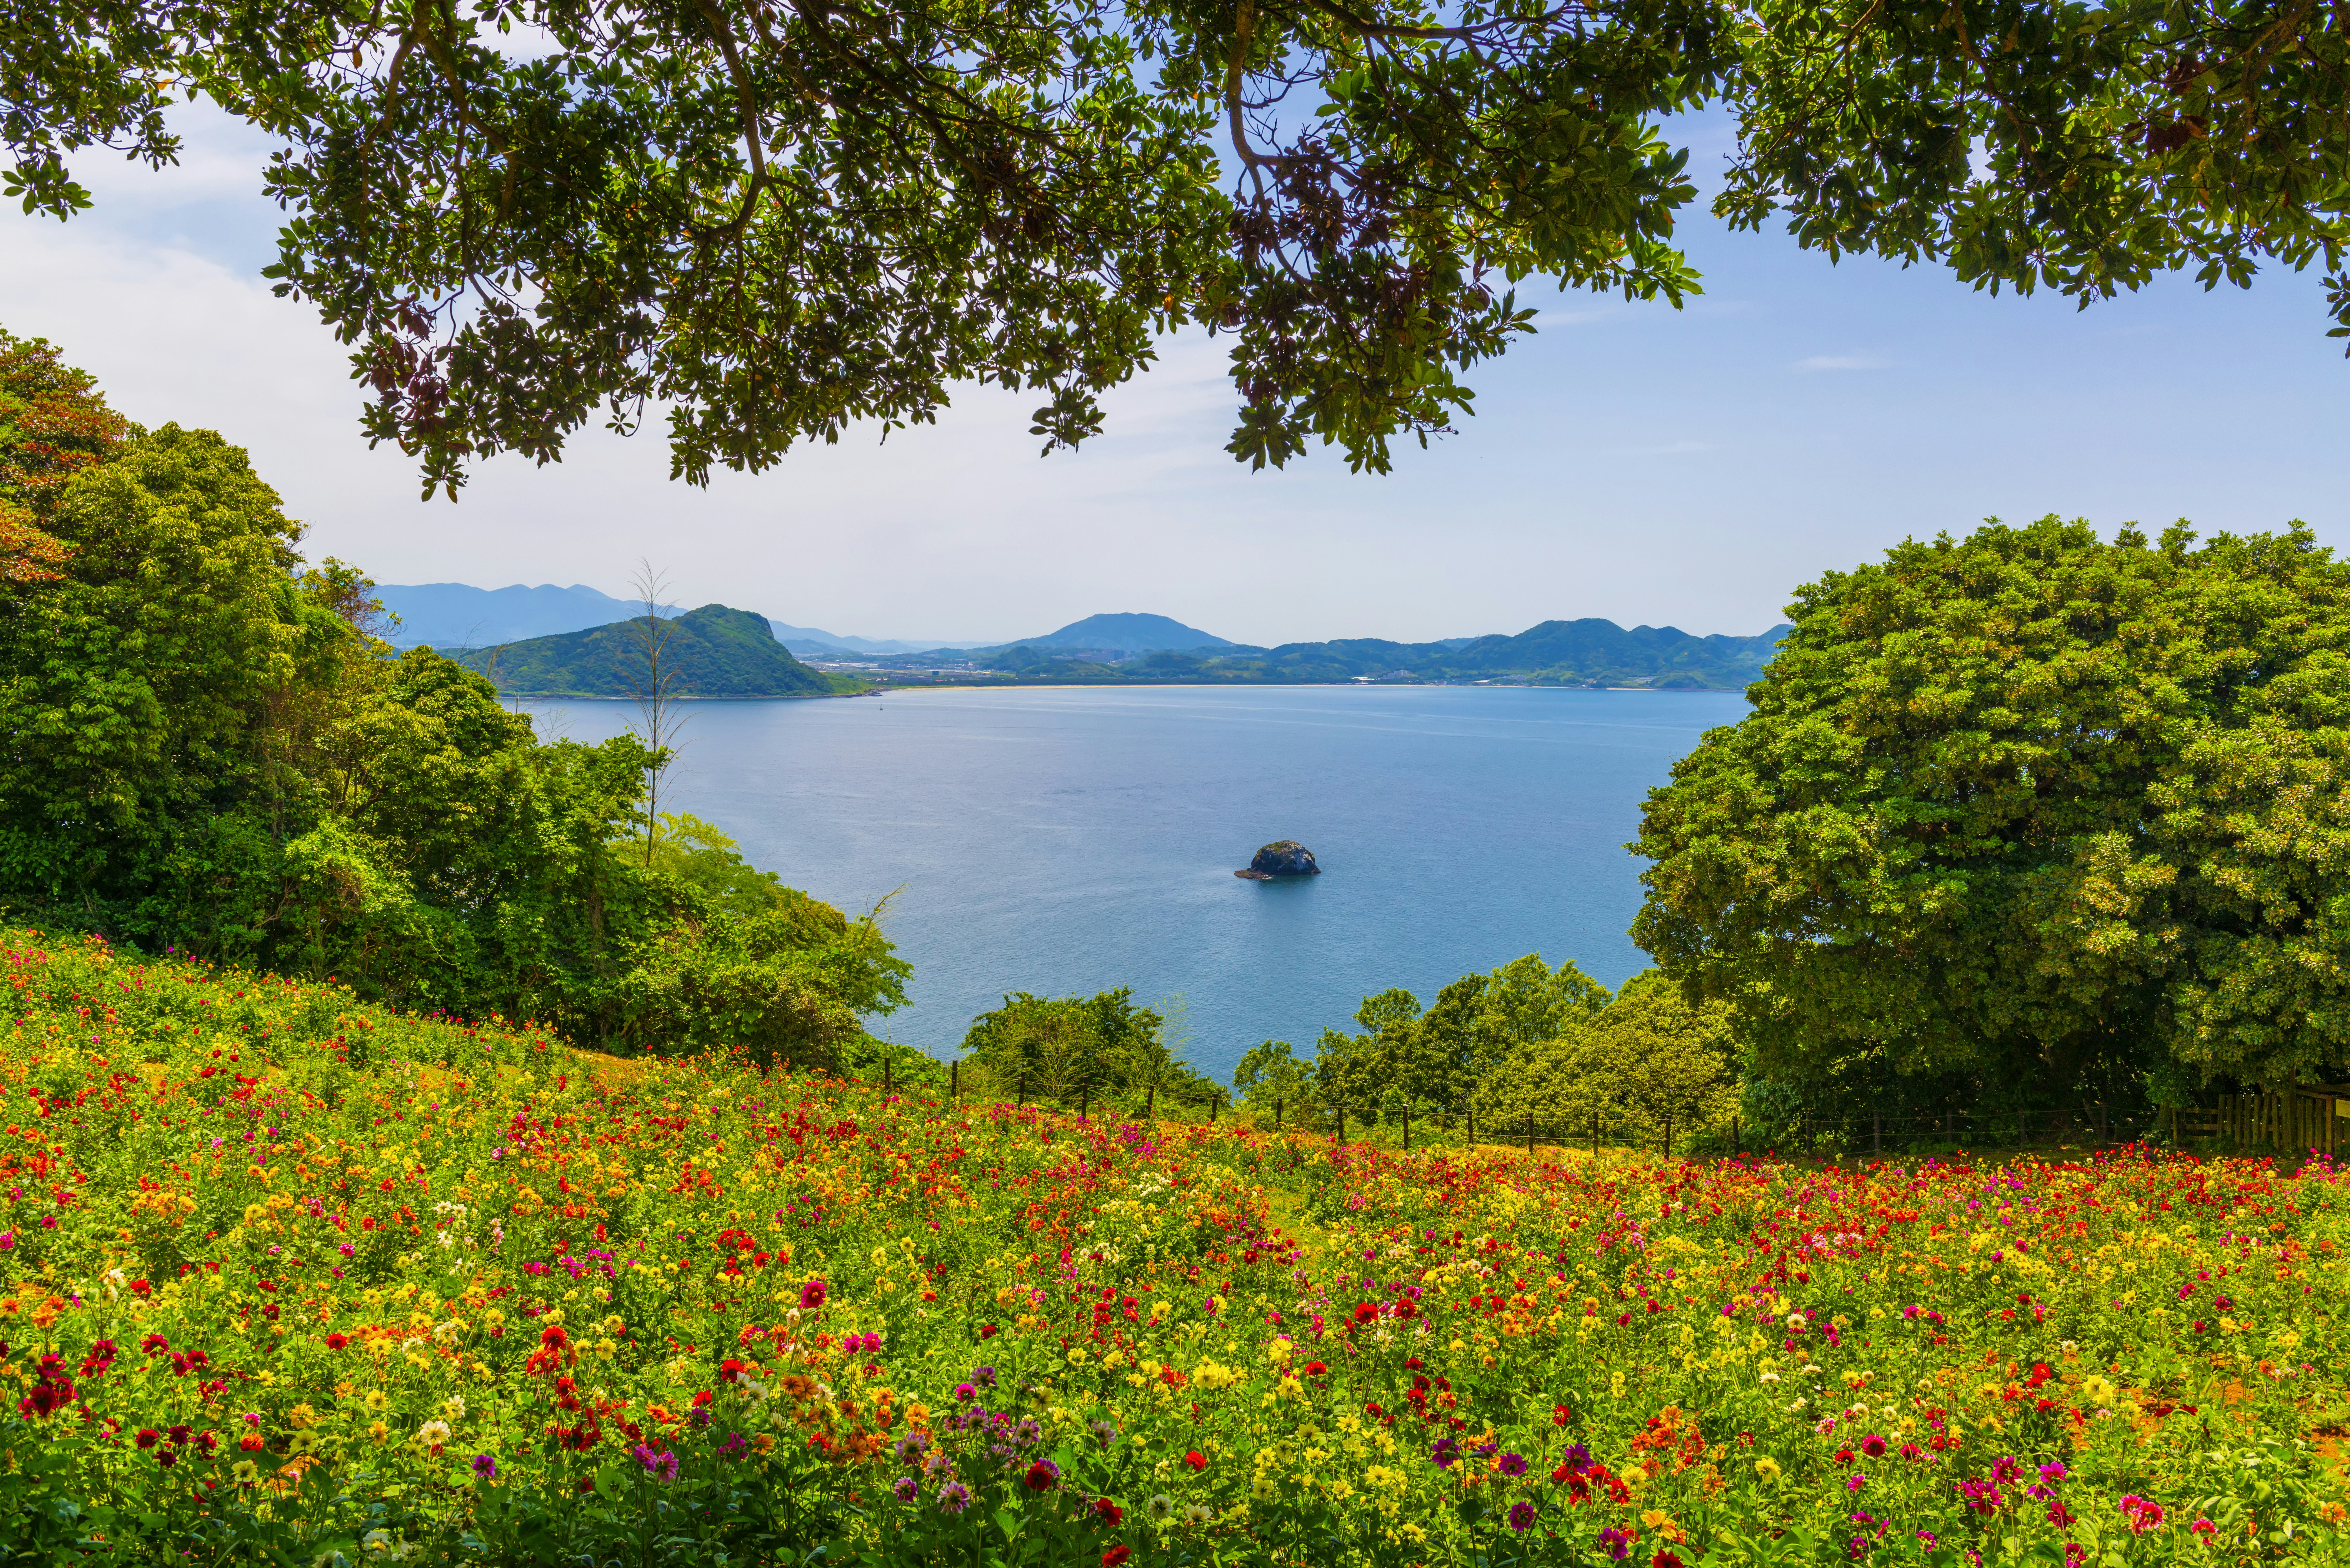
{"points": [[1316, 1369], [1664, 1560], [988, 1331], [1042, 1476], [337, 1341], [153, 1342], [1196, 1459], [1365, 1312], [1560, 1415], [1115, 1555], [149, 1437], [1110, 1515], [250, 1442]]}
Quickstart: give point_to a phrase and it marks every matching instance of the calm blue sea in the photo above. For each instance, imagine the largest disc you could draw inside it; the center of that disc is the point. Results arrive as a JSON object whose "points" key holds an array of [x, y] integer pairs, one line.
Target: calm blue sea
{"points": [[1071, 840]]}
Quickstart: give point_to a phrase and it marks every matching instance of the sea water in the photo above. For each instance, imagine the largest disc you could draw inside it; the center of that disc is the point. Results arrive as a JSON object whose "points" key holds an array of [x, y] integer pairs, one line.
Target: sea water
{"points": [[1066, 840]]}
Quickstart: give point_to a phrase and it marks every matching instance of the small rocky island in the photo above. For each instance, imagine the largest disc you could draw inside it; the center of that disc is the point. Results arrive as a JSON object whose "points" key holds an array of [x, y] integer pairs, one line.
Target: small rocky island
{"points": [[1286, 857]]}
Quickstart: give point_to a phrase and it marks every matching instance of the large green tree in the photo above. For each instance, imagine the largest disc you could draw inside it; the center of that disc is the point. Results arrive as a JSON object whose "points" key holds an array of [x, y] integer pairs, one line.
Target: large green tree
{"points": [[774, 219], [2034, 804]]}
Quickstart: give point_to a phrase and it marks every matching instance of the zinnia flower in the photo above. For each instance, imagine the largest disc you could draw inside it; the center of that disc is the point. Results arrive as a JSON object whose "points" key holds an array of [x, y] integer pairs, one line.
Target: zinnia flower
{"points": [[485, 1467], [1042, 1476], [1522, 1517]]}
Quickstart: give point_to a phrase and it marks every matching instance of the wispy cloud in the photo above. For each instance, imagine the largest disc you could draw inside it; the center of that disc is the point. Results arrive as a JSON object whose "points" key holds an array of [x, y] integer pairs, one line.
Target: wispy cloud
{"points": [[1841, 362]]}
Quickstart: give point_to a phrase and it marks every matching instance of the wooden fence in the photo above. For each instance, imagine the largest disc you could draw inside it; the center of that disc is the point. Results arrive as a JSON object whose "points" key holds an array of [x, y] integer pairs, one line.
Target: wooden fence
{"points": [[2294, 1121]]}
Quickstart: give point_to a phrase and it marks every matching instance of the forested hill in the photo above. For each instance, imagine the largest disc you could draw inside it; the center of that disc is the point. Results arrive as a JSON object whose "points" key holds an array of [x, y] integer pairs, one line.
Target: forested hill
{"points": [[714, 651], [1562, 652]]}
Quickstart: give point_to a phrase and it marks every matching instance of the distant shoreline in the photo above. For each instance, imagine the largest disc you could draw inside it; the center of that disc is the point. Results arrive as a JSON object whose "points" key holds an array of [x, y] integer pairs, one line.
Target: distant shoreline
{"points": [[879, 690]]}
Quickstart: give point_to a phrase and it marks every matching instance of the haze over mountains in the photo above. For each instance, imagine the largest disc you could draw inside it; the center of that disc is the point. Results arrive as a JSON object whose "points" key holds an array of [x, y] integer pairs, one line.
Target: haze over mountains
{"points": [[457, 615], [500, 632]]}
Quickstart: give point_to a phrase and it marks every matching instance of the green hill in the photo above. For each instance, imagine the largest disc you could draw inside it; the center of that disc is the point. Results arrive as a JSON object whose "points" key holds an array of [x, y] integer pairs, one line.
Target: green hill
{"points": [[1557, 652], [714, 651]]}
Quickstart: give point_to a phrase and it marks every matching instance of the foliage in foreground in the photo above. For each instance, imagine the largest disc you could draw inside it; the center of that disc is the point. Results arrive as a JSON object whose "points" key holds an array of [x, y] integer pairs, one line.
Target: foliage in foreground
{"points": [[2031, 805], [291, 1278], [776, 222]]}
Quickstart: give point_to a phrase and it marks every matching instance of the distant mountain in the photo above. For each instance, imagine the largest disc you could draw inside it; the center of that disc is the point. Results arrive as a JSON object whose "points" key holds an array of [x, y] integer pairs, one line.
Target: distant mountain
{"points": [[1590, 652], [715, 651], [1126, 633], [458, 614], [1555, 653], [809, 642]]}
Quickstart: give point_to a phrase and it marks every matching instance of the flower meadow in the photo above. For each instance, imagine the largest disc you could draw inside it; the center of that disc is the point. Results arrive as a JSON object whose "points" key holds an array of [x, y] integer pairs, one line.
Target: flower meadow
{"points": [[288, 1279]]}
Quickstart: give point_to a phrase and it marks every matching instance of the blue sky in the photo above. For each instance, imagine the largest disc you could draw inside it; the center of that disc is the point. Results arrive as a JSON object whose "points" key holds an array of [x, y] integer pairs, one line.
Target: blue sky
{"points": [[1632, 461]]}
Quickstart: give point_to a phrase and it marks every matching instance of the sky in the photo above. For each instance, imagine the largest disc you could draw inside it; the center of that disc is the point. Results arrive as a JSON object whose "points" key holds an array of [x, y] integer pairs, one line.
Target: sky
{"points": [[1650, 466]]}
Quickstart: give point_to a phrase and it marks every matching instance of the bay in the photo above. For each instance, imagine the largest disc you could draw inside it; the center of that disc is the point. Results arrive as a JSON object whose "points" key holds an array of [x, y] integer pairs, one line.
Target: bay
{"points": [[1062, 840]]}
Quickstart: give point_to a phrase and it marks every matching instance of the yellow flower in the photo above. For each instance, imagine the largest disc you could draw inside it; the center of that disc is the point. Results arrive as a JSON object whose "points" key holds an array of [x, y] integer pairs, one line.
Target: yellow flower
{"points": [[374, 1400], [245, 1472], [377, 1430], [1767, 1467], [2097, 1390]]}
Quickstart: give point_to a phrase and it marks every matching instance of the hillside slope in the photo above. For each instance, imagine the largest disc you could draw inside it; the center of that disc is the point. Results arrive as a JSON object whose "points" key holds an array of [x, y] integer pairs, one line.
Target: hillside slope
{"points": [[714, 650]]}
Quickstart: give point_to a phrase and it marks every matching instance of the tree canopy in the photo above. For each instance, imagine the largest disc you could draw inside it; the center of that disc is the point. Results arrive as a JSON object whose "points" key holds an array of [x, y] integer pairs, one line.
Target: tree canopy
{"points": [[203, 746], [2032, 803], [775, 220]]}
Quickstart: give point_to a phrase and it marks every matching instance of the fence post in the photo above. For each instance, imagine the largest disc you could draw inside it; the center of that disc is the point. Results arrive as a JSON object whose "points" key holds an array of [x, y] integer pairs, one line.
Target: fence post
{"points": [[1023, 1084], [1407, 1128], [1150, 1105], [1276, 1114], [1085, 1097], [885, 1077], [1473, 1124], [1595, 1135], [1342, 1121], [1734, 1150], [1876, 1134], [1668, 1138], [1807, 1135], [1215, 1104], [954, 1081]]}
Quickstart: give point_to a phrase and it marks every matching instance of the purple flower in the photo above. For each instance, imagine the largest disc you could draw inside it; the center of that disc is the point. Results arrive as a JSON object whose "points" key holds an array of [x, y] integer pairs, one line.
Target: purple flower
{"points": [[905, 1489], [954, 1497], [1522, 1517], [964, 1391], [984, 1376], [812, 1296], [2053, 1471], [485, 1467], [1615, 1543], [1578, 1458], [1446, 1453], [1513, 1464]]}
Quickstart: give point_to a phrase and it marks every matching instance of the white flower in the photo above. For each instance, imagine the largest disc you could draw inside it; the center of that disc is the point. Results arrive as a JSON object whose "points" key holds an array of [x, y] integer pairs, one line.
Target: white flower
{"points": [[434, 1434]]}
